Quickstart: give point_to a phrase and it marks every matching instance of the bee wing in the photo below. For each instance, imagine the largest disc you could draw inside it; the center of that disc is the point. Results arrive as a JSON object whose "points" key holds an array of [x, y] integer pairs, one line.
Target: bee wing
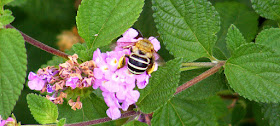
{"points": [[125, 44], [118, 45], [158, 59]]}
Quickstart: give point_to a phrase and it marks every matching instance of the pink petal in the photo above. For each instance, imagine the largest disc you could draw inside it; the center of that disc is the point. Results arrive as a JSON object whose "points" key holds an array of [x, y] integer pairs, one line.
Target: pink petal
{"points": [[96, 54], [10, 119], [121, 93], [113, 113], [98, 57], [131, 33], [97, 83], [72, 82], [98, 73], [111, 86], [142, 84], [31, 76], [125, 106], [133, 95], [36, 84], [110, 99], [2, 123], [155, 42]]}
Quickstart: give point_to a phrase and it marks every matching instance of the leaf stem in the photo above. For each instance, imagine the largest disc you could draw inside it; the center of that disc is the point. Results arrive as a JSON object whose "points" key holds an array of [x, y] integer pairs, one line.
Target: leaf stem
{"points": [[189, 68], [200, 77], [199, 64], [40, 45], [213, 59], [102, 120]]}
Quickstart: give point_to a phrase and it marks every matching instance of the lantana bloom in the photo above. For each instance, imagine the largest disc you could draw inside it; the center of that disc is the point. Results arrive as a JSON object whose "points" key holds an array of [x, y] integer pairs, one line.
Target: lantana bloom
{"points": [[118, 85]]}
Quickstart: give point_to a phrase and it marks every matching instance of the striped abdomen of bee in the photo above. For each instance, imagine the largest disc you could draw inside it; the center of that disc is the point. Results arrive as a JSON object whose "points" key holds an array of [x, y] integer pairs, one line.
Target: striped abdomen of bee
{"points": [[137, 64]]}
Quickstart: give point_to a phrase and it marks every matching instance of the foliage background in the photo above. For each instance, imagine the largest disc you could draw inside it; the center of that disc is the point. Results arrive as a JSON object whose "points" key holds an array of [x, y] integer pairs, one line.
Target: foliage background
{"points": [[44, 20]]}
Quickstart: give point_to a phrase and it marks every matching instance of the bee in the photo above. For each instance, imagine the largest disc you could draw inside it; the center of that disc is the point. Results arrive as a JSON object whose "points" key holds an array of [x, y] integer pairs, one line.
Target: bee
{"points": [[142, 57]]}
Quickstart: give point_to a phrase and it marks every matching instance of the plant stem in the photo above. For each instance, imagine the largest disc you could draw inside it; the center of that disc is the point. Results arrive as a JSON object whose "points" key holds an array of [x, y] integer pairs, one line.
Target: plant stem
{"points": [[102, 120], [188, 68], [40, 45], [199, 64], [200, 77]]}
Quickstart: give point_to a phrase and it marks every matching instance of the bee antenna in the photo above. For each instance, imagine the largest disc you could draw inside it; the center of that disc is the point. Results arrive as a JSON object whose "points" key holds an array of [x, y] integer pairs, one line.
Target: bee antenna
{"points": [[140, 33], [155, 37]]}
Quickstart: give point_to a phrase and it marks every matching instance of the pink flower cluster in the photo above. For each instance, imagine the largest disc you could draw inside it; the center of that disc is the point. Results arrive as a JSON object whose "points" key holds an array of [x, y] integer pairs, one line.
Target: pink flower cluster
{"points": [[7, 121], [117, 84]]}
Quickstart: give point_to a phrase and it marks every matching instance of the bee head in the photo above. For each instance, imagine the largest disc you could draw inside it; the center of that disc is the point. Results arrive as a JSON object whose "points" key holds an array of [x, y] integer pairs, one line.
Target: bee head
{"points": [[145, 46]]}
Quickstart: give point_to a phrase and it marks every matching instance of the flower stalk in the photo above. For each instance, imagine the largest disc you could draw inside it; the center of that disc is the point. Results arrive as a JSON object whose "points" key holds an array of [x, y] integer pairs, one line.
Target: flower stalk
{"points": [[40, 45]]}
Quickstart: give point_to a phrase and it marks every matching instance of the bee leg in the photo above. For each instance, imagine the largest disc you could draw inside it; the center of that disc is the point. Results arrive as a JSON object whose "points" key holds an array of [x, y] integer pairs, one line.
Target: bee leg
{"points": [[151, 68], [121, 62]]}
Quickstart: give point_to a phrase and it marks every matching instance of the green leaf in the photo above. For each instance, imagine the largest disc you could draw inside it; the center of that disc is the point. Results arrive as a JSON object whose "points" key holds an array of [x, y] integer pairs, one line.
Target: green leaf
{"points": [[219, 54], [203, 89], [253, 72], [258, 115], [43, 20], [99, 21], [245, 2], [42, 109], [6, 18], [162, 85], [220, 110], [187, 27], [82, 51], [270, 37], [26, 116], [12, 69], [52, 11], [145, 23], [238, 113], [135, 123], [182, 112], [271, 113], [234, 38], [93, 108], [61, 122], [269, 9], [4, 2], [17, 3], [243, 17], [267, 24]]}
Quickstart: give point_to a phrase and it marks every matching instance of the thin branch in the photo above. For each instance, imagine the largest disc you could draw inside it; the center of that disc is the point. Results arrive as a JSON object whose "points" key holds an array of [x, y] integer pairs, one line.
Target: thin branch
{"points": [[40, 45], [200, 77], [199, 64], [102, 120]]}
